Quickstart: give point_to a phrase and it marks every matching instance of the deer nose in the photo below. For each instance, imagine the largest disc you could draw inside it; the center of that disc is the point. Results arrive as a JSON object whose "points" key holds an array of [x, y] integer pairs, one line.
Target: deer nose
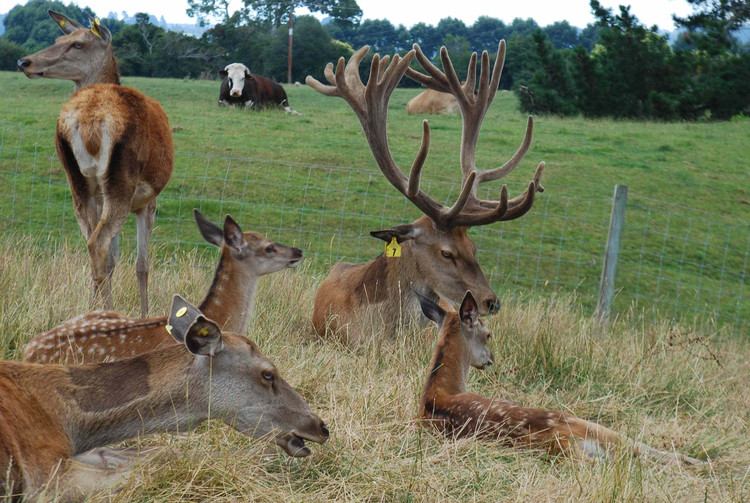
{"points": [[324, 429], [296, 252], [493, 306], [23, 64]]}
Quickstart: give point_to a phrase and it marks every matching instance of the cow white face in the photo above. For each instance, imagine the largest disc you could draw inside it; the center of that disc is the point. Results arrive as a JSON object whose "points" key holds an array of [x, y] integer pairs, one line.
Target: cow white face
{"points": [[236, 73]]}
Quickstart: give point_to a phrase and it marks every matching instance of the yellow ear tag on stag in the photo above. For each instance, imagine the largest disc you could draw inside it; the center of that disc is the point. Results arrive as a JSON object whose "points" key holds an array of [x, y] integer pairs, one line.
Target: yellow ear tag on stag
{"points": [[393, 249], [181, 312], [203, 332], [95, 27], [169, 329]]}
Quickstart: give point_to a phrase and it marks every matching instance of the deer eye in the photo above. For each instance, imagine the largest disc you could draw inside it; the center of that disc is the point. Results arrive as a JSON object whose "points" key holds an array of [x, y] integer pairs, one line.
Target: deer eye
{"points": [[268, 375], [78, 45], [270, 249], [446, 254]]}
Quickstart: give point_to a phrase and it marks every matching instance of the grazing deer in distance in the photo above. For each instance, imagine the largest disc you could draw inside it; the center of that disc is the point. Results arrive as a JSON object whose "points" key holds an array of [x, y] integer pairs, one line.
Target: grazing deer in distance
{"points": [[51, 415], [106, 336], [438, 259], [447, 407], [114, 143]]}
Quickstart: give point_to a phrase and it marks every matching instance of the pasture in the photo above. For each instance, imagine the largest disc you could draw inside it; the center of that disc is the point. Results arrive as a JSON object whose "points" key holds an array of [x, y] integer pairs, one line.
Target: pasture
{"points": [[667, 383]]}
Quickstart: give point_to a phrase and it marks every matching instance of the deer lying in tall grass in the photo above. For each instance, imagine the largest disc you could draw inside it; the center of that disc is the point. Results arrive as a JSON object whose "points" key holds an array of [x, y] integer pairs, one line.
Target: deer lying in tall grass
{"points": [[51, 415], [107, 336], [114, 143], [447, 407], [438, 259]]}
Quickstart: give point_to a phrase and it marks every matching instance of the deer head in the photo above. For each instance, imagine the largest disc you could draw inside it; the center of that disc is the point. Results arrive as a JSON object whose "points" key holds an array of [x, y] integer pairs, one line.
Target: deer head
{"points": [[83, 55], [440, 244], [245, 388], [474, 335]]}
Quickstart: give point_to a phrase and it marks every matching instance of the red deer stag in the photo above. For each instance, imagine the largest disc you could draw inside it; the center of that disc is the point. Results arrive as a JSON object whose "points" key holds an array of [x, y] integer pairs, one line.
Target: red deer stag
{"points": [[115, 145], [438, 259], [107, 336], [51, 415], [447, 407]]}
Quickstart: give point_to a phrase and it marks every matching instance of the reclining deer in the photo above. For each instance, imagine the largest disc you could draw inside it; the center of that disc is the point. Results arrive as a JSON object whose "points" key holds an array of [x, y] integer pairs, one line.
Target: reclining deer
{"points": [[107, 336], [114, 143], [51, 415], [438, 259], [448, 408]]}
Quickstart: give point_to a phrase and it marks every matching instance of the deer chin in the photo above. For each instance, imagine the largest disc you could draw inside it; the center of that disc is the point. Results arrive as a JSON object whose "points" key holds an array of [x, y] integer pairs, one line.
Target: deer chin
{"points": [[293, 445], [294, 263]]}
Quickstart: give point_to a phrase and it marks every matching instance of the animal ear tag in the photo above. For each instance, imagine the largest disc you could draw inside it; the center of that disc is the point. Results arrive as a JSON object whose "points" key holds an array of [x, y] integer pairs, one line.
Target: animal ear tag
{"points": [[393, 249], [95, 27]]}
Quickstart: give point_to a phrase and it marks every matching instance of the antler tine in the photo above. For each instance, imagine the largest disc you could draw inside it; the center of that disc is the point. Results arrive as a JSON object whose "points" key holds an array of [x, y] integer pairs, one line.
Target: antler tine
{"points": [[435, 80], [515, 160], [416, 168]]}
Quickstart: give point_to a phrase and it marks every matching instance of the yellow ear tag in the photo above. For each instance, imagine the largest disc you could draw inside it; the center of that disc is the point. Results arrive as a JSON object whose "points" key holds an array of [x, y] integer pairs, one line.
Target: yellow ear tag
{"points": [[169, 329], [203, 332], [62, 22], [181, 312], [94, 27], [393, 249]]}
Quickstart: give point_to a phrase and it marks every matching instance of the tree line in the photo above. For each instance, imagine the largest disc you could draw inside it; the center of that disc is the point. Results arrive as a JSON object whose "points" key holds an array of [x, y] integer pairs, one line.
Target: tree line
{"points": [[614, 67]]}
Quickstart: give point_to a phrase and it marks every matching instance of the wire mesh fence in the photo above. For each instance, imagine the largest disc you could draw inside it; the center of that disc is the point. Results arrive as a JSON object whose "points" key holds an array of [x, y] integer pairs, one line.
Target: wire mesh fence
{"points": [[673, 262]]}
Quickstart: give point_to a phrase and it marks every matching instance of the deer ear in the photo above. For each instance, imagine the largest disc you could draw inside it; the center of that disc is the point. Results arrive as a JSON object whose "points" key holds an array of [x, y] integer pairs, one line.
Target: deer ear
{"points": [[430, 309], [66, 24], [181, 316], [468, 311], [400, 232], [98, 29], [204, 337], [209, 230], [233, 236]]}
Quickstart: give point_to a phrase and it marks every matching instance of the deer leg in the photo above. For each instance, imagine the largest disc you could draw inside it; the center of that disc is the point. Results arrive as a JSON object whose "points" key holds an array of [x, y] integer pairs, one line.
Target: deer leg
{"points": [[144, 221], [114, 215]]}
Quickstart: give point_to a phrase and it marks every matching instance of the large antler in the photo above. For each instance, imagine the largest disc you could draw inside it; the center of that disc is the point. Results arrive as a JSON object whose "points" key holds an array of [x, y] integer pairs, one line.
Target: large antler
{"points": [[370, 104]]}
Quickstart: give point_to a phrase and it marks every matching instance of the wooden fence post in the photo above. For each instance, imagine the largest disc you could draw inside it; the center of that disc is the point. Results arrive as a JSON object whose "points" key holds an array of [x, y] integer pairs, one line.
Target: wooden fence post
{"points": [[616, 224]]}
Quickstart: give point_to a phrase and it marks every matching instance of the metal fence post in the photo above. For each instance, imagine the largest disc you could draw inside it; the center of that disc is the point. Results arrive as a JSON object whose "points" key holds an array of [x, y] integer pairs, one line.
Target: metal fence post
{"points": [[616, 224]]}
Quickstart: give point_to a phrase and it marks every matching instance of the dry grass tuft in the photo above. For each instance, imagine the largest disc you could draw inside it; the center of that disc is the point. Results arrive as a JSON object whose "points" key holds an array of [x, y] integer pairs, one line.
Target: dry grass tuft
{"points": [[664, 385]]}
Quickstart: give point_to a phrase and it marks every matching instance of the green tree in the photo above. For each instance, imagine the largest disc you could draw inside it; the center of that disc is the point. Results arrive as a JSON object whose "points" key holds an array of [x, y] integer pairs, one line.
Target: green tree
{"points": [[485, 34], [562, 35], [10, 53], [712, 23], [31, 27]]}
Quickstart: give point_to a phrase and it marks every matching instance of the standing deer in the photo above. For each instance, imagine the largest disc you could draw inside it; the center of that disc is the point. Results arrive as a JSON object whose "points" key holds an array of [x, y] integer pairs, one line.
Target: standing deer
{"points": [[107, 336], [447, 407], [114, 143], [438, 258], [51, 415]]}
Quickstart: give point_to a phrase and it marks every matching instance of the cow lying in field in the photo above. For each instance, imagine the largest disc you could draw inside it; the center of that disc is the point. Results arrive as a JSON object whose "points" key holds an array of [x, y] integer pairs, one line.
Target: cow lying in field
{"points": [[245, 89], [432, 102]]}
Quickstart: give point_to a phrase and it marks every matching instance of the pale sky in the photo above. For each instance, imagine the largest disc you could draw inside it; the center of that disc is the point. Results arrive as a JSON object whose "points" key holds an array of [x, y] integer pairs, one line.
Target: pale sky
{"points": [[408, 13]]}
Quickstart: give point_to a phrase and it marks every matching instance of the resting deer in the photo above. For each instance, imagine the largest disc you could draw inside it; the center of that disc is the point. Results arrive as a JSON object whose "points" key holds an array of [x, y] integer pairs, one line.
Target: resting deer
{"points": [[114, 143], [447, 407], [51, 415], [437, 259], [106, 336]]}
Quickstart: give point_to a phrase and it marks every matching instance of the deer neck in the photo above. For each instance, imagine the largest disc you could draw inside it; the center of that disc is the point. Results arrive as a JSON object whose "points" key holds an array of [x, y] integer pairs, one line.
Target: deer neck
{"points": [[153, 397], [450, 364], [230, 299], [106, 73]]}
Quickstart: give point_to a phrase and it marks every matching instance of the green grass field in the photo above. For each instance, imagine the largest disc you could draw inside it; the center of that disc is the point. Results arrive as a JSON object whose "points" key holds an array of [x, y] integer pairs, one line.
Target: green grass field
{"points": [[666, 383], [311, 181]]}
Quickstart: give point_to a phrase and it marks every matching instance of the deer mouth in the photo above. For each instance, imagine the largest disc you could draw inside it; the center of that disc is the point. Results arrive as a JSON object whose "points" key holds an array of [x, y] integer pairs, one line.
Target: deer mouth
{"points": [[294, 444], [294, 262]]}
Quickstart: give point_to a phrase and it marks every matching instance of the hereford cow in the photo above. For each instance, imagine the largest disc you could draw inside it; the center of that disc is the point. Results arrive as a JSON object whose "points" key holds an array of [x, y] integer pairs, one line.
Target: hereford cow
{"points": [[245, 89], [432, 102]]}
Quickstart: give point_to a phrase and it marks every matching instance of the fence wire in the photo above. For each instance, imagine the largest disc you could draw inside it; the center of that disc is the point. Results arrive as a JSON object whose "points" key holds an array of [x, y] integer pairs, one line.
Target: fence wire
{"points": [[674, 262]]}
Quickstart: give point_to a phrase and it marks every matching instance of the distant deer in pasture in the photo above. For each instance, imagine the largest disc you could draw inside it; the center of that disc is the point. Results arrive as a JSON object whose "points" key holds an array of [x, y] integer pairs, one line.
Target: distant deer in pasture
{"points": [[448, 408], [108, 336], [114, 143], [438, 259], [51, 416]]}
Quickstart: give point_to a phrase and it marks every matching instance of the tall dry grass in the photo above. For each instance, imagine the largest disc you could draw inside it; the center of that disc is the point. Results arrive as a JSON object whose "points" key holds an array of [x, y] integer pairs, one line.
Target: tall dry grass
{"points": [[664, 385]]}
